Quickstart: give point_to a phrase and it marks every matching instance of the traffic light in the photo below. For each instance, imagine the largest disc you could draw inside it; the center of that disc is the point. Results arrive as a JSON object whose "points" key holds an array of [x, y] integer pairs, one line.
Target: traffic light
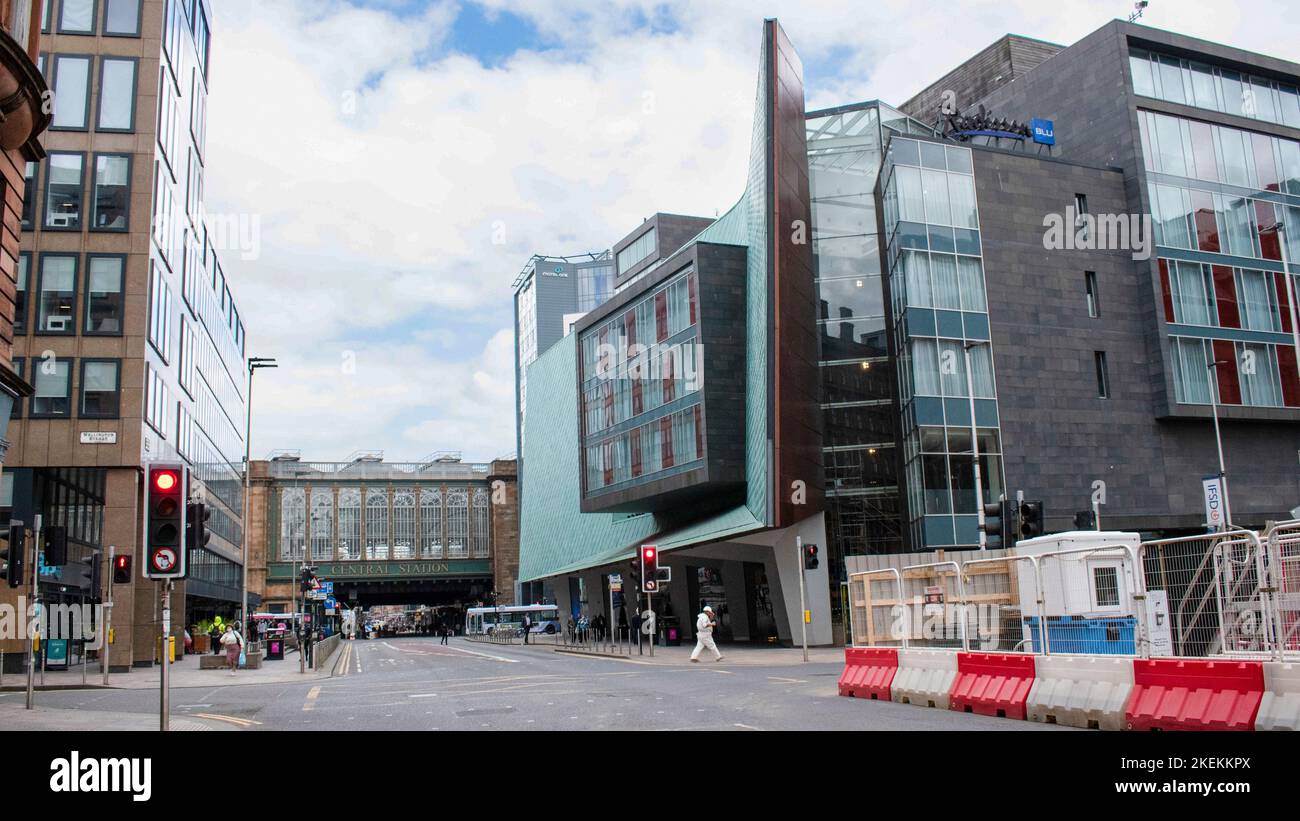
{"points": [[196, 525], [56, 546], [164, 521], [1031, 519], [649, 568], [810, 561], [14, 554], [993, 522], [122, 569], [1085, 520], [307, 579]]}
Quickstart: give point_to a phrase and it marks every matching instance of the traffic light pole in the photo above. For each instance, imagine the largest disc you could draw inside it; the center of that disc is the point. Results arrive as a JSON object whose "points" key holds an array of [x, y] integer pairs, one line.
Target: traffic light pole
{"points": [[108, 611], [803, 605], [975, 449], [164, 699], [36, 578]]}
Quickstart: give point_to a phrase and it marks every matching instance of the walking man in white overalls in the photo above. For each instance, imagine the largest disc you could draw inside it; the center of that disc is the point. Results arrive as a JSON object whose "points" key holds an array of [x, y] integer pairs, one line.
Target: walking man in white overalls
{"points": [[704, 625]]}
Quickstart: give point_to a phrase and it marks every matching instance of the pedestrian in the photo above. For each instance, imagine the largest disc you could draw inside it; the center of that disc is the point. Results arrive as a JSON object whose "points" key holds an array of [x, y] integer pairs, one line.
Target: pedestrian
{"points": [[214, 636], [704, 626], [528, 626], [233, 643], [446, 631]]}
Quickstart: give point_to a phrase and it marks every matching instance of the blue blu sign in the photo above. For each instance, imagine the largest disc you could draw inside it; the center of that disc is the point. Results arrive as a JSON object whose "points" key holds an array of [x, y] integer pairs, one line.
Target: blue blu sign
{"points": [[1044, 131]]}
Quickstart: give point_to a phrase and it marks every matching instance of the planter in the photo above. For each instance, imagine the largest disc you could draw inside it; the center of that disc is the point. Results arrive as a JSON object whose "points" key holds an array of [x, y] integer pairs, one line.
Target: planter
{"points": [[202, 644]]}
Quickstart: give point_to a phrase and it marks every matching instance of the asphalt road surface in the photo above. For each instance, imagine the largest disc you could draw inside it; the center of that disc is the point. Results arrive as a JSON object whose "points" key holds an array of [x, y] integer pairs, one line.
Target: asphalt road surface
{"points": [[417, 684]]}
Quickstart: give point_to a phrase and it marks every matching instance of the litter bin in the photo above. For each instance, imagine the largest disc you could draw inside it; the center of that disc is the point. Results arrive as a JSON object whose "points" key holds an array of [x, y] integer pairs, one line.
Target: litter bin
{"points": [[671, 631], [275, 648]]}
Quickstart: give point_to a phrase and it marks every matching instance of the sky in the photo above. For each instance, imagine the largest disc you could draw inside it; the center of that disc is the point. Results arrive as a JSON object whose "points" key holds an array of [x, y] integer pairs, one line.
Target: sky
{"points": [[392, 164]]}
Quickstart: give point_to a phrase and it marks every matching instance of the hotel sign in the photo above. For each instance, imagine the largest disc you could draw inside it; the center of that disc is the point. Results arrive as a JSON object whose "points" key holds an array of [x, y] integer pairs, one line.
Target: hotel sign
{"points": [[379, 570]]}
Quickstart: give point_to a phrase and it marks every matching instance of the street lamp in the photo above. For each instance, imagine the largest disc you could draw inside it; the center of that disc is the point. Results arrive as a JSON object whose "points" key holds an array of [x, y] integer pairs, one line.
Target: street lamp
{"points": [[1218, 437], [975, 443], [254, 362]]}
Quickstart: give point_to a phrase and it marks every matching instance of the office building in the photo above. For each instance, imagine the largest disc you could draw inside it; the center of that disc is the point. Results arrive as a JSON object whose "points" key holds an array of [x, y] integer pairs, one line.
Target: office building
{"points": [[979, 274], [125, 323]]}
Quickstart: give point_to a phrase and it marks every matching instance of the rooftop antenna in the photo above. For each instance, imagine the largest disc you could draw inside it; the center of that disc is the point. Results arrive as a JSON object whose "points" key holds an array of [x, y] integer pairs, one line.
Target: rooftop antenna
{"points": [[1138, 8]]}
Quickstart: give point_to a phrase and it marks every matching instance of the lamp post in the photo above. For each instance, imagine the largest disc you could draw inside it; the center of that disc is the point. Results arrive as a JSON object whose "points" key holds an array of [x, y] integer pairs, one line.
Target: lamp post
{"points": [[254, 363], [1218, 438], [975, 444]]}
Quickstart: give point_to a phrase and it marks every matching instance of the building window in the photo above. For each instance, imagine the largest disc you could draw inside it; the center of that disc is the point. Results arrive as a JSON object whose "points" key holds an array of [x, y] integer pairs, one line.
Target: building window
{"points": [[112, 196], [480, 525], [293, 523], [1080, 209], [155, 407], [29, 196], [64, 186], [187, 370], [57, 290], [403, 524], [52, 379], [376, 523], [1261, 384], [100, 388], [458, 524], [1090, 285], [322, 524], [104, 300], [1103, 378], [116, 94], [160, 305], [122, 18], [20, 368], [431, 524], [349, 523], [71, 92], [77, 17], [1105, 585], [636, 252], [20, 293], [201, 41]]}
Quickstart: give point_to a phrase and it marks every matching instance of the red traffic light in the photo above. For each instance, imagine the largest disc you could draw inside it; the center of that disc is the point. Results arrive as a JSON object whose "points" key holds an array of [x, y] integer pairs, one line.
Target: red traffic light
{"points": [[165, 480], [121, 562], [648, 553]]}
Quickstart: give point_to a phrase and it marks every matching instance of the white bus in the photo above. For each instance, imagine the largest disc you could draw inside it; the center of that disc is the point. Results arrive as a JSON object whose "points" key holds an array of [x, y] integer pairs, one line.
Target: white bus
{"points": [[484, 620]]}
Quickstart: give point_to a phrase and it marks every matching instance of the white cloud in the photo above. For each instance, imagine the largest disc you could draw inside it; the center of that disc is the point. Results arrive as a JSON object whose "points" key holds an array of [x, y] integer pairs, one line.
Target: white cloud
{"points": [[396, 180]]}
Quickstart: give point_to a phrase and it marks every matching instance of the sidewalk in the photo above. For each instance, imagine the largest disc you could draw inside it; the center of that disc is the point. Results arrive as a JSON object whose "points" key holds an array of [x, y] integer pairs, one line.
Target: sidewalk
{"points": [[184, 673], [13, 717], [733, 654]]}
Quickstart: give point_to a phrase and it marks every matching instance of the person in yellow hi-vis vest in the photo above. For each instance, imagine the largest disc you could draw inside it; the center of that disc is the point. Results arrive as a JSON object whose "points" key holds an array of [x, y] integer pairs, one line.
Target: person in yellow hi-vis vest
{"points": [[704, 625]]}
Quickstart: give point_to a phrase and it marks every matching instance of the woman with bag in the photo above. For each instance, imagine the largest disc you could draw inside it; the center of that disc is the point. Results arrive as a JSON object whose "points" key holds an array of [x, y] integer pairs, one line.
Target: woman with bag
{"points": [[233, 644]]}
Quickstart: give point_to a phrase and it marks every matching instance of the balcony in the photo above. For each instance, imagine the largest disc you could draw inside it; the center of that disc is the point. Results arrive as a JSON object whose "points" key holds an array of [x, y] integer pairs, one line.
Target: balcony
{"points": [[25, 101]]}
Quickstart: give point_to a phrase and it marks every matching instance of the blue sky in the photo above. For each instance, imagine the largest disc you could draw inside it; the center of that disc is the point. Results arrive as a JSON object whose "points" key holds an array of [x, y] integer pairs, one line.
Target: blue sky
{"points": [[403, 158]]}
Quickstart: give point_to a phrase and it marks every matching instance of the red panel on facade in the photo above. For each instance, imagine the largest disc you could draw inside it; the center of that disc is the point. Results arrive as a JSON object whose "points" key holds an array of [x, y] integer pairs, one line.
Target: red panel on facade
{"points": [[868, 672], [1207, 227], [607, 454], [1286, 365], [635, 439], [1268, 242], [1192, 694], [670, 383], [1225, 295], [1164, 288], [1229, 385], [638, 403], [661, 316], [666, 442], [691, 291], [629, 321], [699, 432], [992, 685], [1280, 282]]}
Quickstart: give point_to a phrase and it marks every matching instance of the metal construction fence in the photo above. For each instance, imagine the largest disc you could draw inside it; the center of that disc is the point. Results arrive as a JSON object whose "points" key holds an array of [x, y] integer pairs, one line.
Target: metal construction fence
{"points": [[1233, 594]]}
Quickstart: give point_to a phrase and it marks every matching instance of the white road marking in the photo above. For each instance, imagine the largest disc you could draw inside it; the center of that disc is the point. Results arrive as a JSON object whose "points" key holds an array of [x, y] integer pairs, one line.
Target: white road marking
{"points": [[484, 655], [790, 680], [242, 722], [312, 695], [422, 695], [745, 726]]}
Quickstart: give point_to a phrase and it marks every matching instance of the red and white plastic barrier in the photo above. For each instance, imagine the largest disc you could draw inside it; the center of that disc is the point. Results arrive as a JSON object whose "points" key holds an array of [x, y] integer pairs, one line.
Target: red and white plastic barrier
{"points": [[1104, 692]]}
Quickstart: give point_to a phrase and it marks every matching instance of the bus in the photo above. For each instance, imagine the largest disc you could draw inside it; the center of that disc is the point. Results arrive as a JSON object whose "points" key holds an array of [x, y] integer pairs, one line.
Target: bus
{"points": [[484, 620]]}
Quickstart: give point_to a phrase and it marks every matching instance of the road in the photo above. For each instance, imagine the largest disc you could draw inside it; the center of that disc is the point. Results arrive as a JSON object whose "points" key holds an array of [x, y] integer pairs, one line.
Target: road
{"points": [[417, 684]]}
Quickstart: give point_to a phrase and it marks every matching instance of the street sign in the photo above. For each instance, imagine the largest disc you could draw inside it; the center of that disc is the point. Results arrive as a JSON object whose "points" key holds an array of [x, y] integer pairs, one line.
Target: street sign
{"points": [[1213, 487], [615, 583]]}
